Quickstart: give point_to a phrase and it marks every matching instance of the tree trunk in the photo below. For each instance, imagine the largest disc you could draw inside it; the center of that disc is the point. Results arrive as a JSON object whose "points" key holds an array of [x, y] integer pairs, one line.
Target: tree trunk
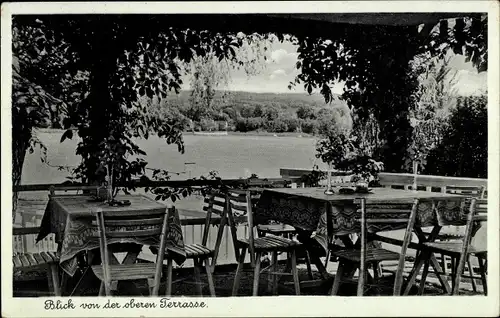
{"points": [[20, 142]]}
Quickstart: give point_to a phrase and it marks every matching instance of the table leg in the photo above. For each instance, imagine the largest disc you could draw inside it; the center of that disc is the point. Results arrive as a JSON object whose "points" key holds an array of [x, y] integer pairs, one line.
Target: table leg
{"points": [[131, 256], [437, 270], [319, 266], [83, 283], [419, 262], [422, 257]]}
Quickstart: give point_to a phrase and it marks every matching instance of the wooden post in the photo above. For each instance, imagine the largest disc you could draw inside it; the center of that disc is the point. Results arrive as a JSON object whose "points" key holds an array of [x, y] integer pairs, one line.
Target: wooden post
{"points": [[362, 265]]}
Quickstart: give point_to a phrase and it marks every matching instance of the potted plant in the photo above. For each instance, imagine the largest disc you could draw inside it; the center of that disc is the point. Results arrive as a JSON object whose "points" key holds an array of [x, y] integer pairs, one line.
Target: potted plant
{"points": [[341, 151], [333, 149], [364, 170], [110, 168]]}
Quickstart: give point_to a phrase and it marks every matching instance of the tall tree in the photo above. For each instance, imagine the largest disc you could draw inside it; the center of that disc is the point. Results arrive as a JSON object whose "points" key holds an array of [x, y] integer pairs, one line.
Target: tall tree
{"points": [[374, 64], [434, 96], [210, 73], [124, 62]]}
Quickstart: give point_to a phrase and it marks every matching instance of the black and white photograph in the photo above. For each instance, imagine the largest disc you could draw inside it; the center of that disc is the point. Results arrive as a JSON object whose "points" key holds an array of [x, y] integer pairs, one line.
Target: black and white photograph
{"points": [[190, 157]]}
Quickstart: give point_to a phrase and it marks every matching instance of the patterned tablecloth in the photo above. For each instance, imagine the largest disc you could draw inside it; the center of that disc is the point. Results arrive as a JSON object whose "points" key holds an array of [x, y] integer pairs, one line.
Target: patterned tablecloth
{"points": [[69, 217], [306, 209]]}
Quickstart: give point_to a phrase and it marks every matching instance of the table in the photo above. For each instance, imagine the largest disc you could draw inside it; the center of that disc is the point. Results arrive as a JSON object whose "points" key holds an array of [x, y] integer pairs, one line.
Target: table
{"points": [[70, 218], [322, 216]]}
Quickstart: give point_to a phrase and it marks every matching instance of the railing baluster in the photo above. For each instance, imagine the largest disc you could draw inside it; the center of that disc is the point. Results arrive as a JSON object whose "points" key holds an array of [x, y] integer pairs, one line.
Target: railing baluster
{"points": [[192, 234]]}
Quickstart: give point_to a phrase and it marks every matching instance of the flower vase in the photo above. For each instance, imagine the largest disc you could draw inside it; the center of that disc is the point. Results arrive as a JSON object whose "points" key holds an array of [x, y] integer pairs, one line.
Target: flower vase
{"points": [[415, 173], [109, 182], [329, 189]]}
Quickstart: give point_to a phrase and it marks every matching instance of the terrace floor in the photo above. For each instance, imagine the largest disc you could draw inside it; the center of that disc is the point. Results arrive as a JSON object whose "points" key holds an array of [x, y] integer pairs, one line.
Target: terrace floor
{"points": [[223, 280]]}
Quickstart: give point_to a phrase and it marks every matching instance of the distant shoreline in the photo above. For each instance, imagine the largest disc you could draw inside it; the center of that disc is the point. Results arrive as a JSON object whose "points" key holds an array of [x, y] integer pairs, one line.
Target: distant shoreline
{"points": [[229, 133]]}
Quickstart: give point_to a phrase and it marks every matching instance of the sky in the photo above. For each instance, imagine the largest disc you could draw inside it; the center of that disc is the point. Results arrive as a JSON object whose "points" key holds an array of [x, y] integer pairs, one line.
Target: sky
{"points": [[279, 70]]}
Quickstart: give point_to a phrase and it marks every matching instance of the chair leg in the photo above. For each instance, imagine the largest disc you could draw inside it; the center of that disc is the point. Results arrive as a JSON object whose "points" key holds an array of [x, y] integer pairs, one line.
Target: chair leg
{"points": [[288, 266], [295, 273], [327, 259], [453, 274], [239, 270], [256, 275], [64, 282], [274, 281], [308, 264], [471, 274], [197, 277], [151, 287], [102, 291], [338, 279], [54, 271], [208, 269], [361, 281], [376, 276], [423, 279], [168, 291], [482, 269]]}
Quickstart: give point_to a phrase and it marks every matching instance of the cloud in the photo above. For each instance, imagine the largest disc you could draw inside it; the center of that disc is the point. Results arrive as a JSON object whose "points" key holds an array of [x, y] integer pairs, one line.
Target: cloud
{"points": [[470, 82], [282, 56], [277, 73]]}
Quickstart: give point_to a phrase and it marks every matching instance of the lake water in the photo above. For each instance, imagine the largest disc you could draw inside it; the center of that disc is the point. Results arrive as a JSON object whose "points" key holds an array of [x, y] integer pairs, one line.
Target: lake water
{"points": [[232, 156]]}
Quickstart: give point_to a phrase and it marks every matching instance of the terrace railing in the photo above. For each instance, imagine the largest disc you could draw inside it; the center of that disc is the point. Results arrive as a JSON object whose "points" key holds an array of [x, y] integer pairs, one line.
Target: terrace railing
{"points": [[400, 180]]}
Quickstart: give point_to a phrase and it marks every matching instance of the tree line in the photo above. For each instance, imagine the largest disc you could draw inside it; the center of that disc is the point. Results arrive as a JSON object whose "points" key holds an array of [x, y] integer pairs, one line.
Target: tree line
{"points": [[247, 111]]}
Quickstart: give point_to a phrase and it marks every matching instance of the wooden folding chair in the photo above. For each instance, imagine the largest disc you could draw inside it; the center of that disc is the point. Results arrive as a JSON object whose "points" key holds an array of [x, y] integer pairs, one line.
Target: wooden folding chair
{"points": [[447, 233], [285, 230], [375, 217], [240, 204], [121, 224], [461, 250], [201, 253], [31, 262], [215, 204]]}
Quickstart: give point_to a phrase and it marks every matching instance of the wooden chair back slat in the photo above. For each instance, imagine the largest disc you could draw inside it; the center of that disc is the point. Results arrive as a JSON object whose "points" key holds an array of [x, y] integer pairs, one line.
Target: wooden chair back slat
{"points": [[385, 212], [215, 201], [481, 206], [239, 198], [238, 207], [120, 225], [132, 222]]}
